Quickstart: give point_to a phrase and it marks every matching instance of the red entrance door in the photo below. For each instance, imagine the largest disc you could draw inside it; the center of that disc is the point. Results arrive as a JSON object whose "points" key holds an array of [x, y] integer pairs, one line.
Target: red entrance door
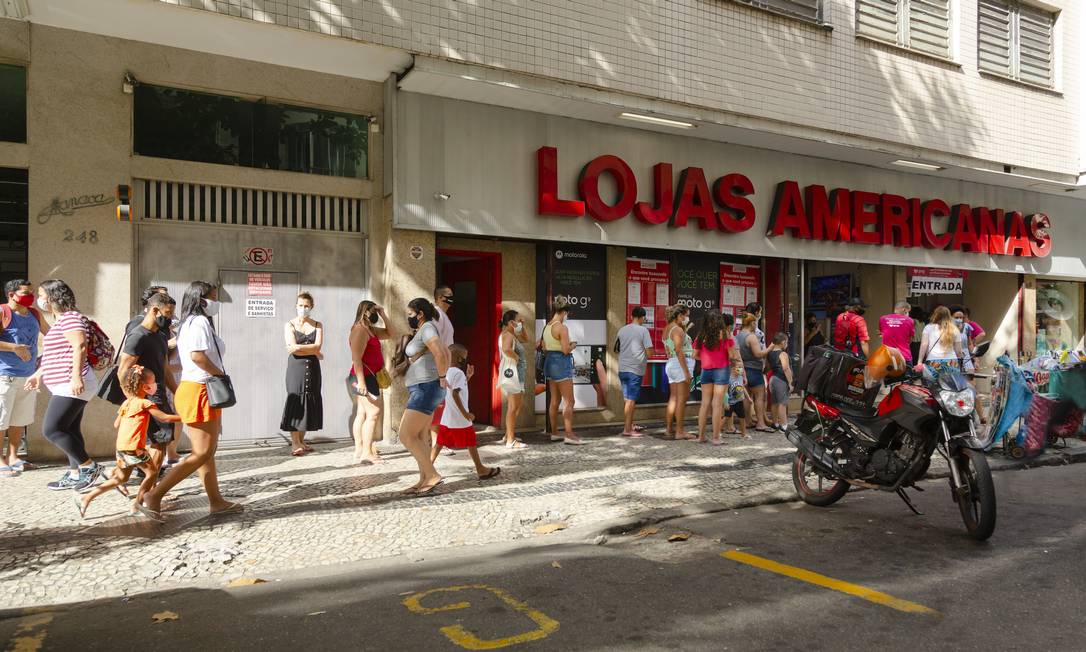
{"points": [[475, 279]]}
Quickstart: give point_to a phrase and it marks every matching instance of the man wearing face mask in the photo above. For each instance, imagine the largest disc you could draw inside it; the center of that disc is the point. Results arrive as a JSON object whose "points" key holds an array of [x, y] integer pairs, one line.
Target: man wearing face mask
{"points": [[813, 335], [147, 344], [18, 362], [850, 329]]}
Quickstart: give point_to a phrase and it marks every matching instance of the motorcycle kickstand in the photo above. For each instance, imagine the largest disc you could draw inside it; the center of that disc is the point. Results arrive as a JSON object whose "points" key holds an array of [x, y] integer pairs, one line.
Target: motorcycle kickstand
{"points": [[905, 497]]}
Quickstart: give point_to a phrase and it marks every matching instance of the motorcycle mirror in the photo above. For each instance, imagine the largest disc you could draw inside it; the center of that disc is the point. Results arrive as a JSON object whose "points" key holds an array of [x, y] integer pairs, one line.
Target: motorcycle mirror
{"points": [[982, 349]]}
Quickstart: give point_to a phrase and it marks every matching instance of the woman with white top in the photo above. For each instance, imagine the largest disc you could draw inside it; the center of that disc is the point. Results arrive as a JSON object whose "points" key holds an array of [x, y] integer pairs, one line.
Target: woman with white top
{"points": [[68, 376], [940, 344], [201, 351]]}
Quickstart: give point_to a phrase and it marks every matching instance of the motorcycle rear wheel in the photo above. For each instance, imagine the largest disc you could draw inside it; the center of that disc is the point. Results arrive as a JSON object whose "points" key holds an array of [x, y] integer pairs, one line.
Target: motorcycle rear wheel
{"points": [[826, 492], [978, 507]]}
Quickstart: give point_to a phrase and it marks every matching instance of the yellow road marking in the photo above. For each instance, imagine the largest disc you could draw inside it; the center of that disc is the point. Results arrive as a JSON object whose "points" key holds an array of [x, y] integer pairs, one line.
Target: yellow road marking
{"points": [[870, 595], [26, 639], [464, 638]]}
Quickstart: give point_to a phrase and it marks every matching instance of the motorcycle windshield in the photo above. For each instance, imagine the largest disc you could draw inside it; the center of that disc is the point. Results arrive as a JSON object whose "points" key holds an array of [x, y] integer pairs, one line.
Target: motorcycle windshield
{"points": [[953, 380]]}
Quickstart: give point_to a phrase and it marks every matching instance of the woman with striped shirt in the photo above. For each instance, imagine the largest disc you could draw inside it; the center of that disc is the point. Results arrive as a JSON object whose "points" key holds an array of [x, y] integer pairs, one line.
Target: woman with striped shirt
{"points": [[68, 376]]}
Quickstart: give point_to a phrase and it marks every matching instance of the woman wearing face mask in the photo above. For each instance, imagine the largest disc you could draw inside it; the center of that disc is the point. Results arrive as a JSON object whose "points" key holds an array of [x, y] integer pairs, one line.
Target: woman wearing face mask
{"points": [[365, 341], [201, 351], [558, 370], [965, 337], [304, 411], [679, 370], [511, 340], [425, 379], [70, 380]]}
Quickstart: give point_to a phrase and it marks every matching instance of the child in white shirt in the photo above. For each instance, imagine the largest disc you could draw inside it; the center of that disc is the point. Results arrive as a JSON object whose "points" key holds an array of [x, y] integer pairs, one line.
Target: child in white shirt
{"points": [[456, 429]]}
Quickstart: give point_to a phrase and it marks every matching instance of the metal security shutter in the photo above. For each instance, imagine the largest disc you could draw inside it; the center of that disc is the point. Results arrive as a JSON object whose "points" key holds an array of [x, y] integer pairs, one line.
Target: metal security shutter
{"points": [[929, 26], [809, 9], [1016, 41], [994, 37], [1035, 33], [199, 203], [878, 19]]}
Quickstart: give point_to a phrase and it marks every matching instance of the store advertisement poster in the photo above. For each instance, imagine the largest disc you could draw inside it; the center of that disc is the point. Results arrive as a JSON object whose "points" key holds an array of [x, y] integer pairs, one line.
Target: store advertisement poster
{"points": [[738, 287], [648, 284], [695, 283], [579, 274], [829, 292]]}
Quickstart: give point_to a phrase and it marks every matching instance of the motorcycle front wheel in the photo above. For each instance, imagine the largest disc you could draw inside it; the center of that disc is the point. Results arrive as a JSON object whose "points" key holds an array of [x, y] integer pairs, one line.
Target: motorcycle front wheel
{"points": [[813, 487], [978, 506]]}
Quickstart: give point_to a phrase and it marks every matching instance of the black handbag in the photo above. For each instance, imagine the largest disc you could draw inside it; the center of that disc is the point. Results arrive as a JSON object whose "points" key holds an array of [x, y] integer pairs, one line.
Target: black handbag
{"points": [[220, 389], [110, 386]]}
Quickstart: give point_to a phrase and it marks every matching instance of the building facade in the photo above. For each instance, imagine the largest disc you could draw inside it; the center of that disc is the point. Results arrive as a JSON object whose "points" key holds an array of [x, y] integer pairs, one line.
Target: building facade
{"points": [[711, 153]]}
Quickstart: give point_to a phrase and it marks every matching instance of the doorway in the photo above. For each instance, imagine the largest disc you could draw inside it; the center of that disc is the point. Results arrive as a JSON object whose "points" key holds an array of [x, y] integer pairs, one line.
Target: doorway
{"points": [[475, 280]]}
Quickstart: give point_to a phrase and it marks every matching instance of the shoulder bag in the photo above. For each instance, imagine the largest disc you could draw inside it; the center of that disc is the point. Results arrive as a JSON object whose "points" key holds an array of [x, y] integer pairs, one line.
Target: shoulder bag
{"points": [[110, 387], [220, 389]]}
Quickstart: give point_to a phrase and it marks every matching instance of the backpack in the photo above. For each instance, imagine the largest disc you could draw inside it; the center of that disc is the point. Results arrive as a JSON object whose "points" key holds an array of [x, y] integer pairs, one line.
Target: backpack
{"points": [[846, 341], [100, 350], [5, 312]]}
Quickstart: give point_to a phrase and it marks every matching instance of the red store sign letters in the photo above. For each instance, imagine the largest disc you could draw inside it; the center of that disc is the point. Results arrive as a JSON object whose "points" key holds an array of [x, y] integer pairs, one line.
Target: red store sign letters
{"points": [[810, 213]]}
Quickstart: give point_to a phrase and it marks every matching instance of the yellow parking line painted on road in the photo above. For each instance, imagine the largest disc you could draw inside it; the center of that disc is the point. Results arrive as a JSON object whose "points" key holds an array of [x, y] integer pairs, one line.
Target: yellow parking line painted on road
{"points": [[459, 635], [26, 639], [871, 595]]}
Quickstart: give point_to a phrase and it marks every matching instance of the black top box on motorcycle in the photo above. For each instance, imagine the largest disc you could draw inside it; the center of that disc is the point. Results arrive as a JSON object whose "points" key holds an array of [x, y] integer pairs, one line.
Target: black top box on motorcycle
{"points": [[836, 376]]}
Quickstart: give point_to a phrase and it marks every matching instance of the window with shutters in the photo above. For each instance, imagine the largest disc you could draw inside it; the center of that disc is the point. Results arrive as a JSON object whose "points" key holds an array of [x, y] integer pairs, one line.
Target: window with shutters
{"points": [[806, 9], [1017, 41], [921, 25]]}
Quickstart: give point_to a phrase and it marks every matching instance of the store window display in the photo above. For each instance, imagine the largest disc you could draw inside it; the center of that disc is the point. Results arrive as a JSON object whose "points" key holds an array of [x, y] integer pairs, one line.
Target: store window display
{"points": [[1059, 326]]}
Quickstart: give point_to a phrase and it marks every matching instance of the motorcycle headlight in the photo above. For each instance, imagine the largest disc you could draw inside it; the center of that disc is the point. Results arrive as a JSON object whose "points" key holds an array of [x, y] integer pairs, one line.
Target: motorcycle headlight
{"points": [[959, 404]]}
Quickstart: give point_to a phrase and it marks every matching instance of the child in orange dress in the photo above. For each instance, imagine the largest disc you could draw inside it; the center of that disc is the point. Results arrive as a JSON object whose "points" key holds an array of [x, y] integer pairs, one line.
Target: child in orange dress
{"points": [[133, 417], [456, 429]]}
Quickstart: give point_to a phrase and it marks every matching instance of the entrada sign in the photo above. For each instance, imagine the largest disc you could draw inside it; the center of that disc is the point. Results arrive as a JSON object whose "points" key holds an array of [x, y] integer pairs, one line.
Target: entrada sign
{"points": [[811, 213]]}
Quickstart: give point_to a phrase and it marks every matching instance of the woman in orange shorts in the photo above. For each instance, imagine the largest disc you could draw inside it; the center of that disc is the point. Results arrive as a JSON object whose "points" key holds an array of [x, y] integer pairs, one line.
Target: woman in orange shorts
{"points": [[201, 351]]}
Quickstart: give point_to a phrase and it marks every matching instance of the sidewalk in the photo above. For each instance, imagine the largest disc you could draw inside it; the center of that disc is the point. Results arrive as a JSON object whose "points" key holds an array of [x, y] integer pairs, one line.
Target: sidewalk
{"points": [[319, 510]]}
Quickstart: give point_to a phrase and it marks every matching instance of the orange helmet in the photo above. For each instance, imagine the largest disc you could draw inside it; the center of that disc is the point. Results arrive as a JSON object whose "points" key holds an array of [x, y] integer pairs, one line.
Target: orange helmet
{"points": [[885, 362]]}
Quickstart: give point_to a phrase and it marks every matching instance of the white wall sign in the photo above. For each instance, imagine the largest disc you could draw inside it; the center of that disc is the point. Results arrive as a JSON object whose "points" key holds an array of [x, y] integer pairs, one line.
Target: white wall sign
{"points": [[919, 285], [260, 307]]}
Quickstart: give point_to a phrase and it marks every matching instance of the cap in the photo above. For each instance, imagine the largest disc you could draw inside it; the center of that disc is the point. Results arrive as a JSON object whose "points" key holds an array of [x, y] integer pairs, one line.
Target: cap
{"points": [[856, 301]]}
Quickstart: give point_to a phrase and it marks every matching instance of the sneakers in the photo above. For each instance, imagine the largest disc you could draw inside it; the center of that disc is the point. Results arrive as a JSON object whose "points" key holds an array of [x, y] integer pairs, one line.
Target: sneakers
{"points": [[88, 475], [66, 481]]}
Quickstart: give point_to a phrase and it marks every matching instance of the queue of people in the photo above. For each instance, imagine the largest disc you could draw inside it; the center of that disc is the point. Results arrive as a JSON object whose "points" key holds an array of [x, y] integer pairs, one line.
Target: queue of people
{"points": [[169, 370]]}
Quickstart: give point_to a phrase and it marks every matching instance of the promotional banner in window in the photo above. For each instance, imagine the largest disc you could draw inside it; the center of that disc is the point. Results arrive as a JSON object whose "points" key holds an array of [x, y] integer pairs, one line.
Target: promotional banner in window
{"points": [[648, 285], [738, 287], [577, 273]]}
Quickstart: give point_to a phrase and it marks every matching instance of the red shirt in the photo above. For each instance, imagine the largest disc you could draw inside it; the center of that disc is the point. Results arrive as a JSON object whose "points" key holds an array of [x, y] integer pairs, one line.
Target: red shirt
{"points": [[897, 331], [372, 359], [716, 357], [849, 328]]}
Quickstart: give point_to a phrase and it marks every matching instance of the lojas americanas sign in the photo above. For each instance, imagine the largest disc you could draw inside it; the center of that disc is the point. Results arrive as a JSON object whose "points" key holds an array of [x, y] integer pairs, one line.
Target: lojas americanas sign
{"points": [[806, 213]]}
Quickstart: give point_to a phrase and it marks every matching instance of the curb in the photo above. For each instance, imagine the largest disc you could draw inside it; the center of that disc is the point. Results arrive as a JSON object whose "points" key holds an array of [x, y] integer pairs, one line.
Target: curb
{"points": [[622, 527]]}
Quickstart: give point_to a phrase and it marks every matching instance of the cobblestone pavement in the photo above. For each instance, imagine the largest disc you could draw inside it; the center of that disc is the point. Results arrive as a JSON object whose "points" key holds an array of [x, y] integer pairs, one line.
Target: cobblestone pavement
{"points": [[320, 509]]}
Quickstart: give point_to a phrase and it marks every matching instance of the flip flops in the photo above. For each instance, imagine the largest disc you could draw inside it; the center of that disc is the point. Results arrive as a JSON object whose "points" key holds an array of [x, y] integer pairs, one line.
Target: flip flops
{"points": [[429, 491], [516, 444], [149, 513], [79, 506], [234, 508], [493, 473]]}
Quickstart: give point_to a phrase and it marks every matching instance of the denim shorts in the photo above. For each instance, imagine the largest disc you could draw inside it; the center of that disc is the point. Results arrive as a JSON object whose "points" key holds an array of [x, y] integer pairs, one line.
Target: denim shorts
{"points": [[755, 377], [631, 385], [425, 397], [558, 366], [719, 376]]}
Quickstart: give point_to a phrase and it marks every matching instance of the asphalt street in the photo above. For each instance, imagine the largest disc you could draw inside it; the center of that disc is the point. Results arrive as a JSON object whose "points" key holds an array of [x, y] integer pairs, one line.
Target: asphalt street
{"points": [[864, 574]]}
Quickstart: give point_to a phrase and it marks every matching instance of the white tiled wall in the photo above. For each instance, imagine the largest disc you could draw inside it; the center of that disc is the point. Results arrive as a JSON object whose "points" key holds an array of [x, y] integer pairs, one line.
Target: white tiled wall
{"points": [[718, 54]]}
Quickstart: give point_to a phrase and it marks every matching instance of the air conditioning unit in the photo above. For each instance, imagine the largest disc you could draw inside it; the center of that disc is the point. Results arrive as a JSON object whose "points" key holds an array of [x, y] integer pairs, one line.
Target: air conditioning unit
{"points": [[14, 9]]}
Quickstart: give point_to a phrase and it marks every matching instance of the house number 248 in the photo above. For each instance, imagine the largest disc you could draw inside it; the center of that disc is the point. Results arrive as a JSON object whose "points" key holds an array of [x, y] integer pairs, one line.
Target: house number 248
{"points": [[83, 237]]}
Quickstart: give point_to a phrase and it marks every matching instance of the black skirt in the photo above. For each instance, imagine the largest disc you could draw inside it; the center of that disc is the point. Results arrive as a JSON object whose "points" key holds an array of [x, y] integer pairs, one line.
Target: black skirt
{"points": [[304, 410]]}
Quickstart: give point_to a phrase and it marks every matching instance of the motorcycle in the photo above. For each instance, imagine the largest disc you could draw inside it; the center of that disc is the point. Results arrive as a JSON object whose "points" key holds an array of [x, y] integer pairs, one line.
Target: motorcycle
{"points": [[889, 447]]}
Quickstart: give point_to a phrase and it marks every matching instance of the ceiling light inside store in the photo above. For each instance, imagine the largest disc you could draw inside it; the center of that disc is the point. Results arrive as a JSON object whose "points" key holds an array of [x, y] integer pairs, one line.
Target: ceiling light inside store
{"points": [[917, 165], [651, 119]]}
